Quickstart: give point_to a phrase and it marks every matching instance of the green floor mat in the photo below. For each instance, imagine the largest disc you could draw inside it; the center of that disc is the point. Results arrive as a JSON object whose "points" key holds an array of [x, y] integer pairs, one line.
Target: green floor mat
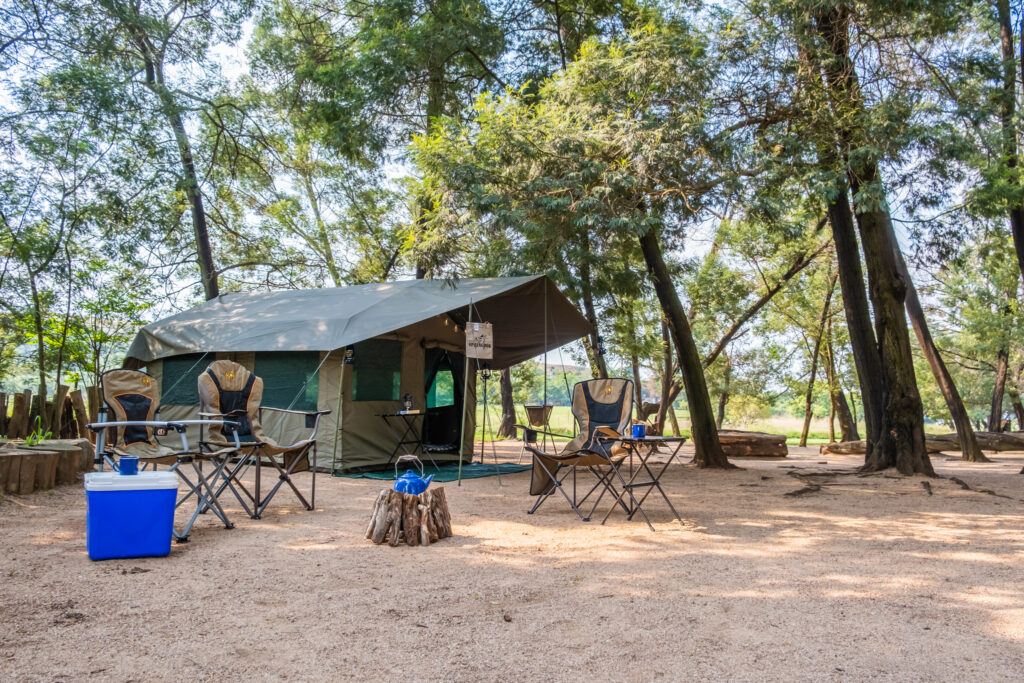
{"points": [[447, 472]]}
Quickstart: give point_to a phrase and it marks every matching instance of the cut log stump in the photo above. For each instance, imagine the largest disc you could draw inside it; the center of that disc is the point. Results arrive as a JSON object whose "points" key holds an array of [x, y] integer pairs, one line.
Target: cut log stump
{"points": [[415, 520], [738, 444], [53, 462]]}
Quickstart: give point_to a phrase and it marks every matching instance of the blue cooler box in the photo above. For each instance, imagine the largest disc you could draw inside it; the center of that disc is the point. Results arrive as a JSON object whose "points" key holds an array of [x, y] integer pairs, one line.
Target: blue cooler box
{"points": [[130, 515]]}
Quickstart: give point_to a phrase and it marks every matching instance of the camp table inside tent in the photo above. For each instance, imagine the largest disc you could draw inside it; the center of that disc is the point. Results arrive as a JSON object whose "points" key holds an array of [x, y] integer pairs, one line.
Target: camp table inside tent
{"points": [[356, 351]]}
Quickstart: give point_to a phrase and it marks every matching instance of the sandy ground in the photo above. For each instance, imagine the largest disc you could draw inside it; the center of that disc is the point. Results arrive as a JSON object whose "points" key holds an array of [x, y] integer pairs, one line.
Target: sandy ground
{"points": [[867, 578]]}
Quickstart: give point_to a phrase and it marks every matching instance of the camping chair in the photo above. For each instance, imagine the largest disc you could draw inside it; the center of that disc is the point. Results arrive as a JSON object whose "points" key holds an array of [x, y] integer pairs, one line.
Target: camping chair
{"points": [[228, 390], [602, 407], [539, 419], [133, 398]]}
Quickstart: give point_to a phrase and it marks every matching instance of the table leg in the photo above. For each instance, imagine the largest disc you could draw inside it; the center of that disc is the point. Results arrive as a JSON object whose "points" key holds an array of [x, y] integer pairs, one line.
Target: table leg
{"points": [[657, 479]]}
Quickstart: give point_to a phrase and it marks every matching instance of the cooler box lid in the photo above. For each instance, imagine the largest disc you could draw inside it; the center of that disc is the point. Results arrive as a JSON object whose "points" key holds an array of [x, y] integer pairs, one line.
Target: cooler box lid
{"points": [[114, 481]]}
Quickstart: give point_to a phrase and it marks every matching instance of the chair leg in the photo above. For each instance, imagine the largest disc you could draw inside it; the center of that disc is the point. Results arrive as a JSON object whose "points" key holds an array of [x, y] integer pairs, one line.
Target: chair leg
{"points": [[204, 501], [284, 476], [557, 483], [232, 479]]}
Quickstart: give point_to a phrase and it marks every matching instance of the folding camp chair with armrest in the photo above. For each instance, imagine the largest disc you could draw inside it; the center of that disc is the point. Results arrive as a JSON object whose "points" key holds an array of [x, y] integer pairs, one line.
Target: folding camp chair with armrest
{"points": [[133, 398], [227, 390], [600, 406]]}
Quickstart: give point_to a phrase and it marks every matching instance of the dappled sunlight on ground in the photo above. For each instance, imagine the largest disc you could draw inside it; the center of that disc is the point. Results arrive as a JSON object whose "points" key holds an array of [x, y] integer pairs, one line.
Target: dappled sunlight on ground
{"points": [[855, 579]]}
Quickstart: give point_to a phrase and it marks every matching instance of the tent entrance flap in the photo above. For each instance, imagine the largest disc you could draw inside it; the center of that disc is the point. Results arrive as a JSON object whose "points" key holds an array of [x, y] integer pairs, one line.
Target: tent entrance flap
{"points": [[443, 382]]}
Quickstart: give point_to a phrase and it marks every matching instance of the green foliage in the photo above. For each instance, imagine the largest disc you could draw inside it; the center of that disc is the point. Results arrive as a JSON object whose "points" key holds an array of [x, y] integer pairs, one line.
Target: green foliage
{"points": [[37, 435]]}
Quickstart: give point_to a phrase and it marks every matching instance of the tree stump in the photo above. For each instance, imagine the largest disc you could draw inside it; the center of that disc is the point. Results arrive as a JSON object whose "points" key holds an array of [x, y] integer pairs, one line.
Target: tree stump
{"points": [[416, 520], [54, 462]]}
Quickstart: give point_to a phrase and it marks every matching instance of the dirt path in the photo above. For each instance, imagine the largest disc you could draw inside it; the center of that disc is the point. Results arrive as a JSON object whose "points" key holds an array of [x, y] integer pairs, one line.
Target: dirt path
{"points": [[864, 578]]}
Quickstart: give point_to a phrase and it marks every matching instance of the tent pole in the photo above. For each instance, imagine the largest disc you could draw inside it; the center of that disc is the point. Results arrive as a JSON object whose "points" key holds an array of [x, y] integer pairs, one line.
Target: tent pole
{"points": [[337, 419], [465, 392], [545, 402]]}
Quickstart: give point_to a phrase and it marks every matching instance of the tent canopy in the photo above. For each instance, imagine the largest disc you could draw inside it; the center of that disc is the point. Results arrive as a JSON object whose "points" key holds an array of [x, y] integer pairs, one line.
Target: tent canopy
{"points": [[329, 319]]}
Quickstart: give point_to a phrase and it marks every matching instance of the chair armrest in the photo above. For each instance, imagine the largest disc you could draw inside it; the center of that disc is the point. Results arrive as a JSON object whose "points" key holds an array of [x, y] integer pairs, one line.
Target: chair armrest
{"points": [[296, 412], [240, 412], [316, 415], [541, 431], [177, 425]]}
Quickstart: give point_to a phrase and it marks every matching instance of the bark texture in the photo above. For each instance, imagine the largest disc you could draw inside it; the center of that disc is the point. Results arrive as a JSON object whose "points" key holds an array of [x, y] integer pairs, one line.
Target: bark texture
{"points": [[702, 419], [506, 430], [900, 435]]}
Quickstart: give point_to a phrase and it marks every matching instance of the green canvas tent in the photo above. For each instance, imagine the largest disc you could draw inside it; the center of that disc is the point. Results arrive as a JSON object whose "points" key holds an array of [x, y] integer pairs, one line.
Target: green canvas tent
{"points": [[401, 338]]}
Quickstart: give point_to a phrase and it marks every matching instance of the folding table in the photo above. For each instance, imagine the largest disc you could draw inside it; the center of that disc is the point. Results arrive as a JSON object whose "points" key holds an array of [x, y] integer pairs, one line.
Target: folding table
{"points": [[642, 449], [410, 436]]}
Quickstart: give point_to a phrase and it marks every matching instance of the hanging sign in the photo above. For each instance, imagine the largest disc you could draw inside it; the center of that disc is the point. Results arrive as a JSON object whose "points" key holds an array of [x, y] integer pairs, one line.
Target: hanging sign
{"points": [[480, 340]]}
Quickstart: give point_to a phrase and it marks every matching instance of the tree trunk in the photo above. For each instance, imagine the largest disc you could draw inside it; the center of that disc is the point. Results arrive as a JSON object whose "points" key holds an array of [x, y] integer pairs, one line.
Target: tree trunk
{"points": [[702, 420], [207, 271], [723, 398], [902, 436], [809, 396], [673, 420], [970, 450], [323, 239], [831, 417], [638, 390], [435, 108], [666, 377], [858, 316], [598, 367], [508, 407], [901, 433], [847, 423], [1007, 106], [995, 414], [37, 320], [1018, 407]]}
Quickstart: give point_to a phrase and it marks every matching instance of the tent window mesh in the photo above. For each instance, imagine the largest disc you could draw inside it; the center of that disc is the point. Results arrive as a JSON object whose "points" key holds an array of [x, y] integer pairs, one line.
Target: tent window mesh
{"points": [[442, 390], [284, 374], [377, 370], [179, 381]]}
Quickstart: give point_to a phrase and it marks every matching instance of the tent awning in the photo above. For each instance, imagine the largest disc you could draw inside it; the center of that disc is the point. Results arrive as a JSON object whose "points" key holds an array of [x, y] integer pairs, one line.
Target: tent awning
{"points": [[328, 319]]}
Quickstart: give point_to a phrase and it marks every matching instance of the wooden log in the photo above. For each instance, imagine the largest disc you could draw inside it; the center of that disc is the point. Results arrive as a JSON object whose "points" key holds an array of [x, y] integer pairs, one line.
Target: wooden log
{"points": [[81, 416], [3, 413], [380, 520], [46, 469], [389, 519], [439, 511], [93, 394], [87, 458], [19, 415], [68, 467], [395, 518], [68, 425], [410, 519], [73, 456], [844, 448], [736, 443], [373, 515], [424, 527], [21, 473], [427, 499], [416, 520], [12, 482], [56, 412], [5, 471]]}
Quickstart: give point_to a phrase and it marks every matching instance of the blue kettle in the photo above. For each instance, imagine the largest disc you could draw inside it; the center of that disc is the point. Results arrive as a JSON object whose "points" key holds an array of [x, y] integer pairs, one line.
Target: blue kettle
{"points": [[410, 482]]}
